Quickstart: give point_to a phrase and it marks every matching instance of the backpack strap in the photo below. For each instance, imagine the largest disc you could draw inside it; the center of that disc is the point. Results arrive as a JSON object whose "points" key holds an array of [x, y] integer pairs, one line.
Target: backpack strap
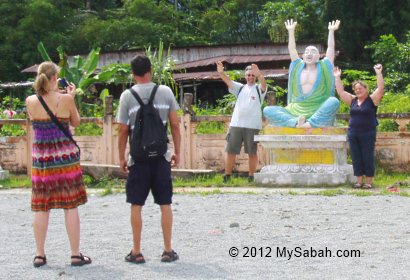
{"points": [[259, 94], [257, 90], [135, 94], [240, 89], [57, 122], [151, 98], [153, 92]]}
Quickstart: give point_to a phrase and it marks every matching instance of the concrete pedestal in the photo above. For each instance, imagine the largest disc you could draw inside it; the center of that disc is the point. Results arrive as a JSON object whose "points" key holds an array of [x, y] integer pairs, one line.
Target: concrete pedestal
{"points": [[305, 157]]}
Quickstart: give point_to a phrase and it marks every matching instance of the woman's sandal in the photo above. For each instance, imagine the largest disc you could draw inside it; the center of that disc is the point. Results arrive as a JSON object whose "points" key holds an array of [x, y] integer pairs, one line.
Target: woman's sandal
{"points": [[83, 260], [367, 186], [137, 259], [357, 186], [393, 189], [169, 256], [38, 264]]}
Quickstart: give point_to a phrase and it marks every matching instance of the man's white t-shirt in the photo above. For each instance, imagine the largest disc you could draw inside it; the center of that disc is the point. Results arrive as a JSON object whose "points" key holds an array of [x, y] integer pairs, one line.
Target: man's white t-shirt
{"points": [[247, 112]]}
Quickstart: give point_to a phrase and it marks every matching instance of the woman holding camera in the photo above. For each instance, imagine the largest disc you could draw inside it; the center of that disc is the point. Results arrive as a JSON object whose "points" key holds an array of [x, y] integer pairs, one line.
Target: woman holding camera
{"points": [[56, 174]]}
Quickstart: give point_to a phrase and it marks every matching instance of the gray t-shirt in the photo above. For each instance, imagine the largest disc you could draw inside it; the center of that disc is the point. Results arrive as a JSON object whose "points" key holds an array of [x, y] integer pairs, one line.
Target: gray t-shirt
{"points": [[164, 101]]}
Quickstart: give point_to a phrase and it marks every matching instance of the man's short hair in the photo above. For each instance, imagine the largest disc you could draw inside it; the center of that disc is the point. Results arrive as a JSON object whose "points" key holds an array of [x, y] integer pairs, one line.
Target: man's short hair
{"points": [[249, 67], [140, 65]]}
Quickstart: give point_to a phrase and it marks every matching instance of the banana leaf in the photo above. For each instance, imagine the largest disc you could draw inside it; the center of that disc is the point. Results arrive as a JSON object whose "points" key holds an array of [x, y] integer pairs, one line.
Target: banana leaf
{"points": [[91, 62], [87, 69], [78, 62], [86, 82], [63, 64], [73, 75], [43, 52], [104, 93]]}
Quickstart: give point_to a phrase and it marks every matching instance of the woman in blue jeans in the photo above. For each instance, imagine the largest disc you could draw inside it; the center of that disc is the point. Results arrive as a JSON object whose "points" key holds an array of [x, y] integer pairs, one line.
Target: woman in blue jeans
{"points": [[361, 133]]}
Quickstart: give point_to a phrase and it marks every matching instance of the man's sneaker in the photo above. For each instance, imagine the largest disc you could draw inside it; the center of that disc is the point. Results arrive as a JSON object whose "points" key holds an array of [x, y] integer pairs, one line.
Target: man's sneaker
{"points": [[227, 178], [251, 179]]}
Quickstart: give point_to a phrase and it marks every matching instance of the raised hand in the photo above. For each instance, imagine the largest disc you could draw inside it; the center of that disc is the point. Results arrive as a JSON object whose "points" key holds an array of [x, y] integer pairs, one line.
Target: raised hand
{"points": [[290, 24], [337, 72], [378, 68], [219, 67], [255, 70], [334, 25]]}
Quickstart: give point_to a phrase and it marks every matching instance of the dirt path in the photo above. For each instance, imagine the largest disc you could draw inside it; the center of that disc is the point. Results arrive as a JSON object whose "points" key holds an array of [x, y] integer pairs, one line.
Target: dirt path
{"points": [[207, 227]]}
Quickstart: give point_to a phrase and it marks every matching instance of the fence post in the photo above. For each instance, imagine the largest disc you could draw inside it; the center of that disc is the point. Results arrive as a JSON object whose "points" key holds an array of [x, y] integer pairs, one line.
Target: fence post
{"points": [[185, 141], [402, 124], [186, 125]]}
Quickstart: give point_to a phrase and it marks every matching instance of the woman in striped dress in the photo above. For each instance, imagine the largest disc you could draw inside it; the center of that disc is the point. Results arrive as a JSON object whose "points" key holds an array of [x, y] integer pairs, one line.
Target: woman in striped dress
{"points": [[57, 181]]}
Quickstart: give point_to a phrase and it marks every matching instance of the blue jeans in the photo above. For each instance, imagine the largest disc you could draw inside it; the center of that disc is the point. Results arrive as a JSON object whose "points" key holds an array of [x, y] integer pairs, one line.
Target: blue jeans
{"points": [[362, 151]]}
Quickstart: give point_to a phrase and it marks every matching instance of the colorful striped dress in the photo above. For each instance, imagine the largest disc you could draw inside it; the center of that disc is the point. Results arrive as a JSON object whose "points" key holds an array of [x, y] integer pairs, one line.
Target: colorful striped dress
{"points": [[56, 175]]}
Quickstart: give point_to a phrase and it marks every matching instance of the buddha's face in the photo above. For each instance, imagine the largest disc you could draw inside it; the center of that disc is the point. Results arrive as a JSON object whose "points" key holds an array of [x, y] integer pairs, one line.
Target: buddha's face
{"points": [[311, 55]]}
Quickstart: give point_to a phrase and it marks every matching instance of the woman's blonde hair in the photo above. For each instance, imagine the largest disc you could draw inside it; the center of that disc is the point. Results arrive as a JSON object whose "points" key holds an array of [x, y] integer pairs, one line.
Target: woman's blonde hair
{"points": [[45, 72], [360, 82]]}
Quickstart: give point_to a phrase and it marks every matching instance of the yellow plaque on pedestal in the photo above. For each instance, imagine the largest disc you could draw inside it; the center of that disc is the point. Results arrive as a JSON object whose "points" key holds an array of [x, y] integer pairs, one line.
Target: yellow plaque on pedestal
{"points": [[296, 156], [279, 130]]}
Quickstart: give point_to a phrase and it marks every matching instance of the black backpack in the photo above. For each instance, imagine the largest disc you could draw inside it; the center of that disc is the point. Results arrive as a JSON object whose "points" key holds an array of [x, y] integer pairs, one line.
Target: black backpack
{"points": [[149, 138]]}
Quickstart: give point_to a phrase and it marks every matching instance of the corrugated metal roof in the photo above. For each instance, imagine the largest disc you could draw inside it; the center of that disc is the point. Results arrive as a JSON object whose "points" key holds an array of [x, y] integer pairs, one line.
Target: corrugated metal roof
{"points": [[31, 69], [213, 75], [17, 85], [233, 59]]}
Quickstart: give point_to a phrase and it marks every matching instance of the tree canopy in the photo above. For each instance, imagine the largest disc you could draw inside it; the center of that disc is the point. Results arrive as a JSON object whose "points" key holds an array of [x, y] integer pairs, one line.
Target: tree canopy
{"points": [[111, 25]]}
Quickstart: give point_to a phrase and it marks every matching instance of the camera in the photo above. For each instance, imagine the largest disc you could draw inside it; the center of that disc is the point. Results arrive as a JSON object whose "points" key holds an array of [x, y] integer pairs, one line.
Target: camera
{"points": [[62, 83]]}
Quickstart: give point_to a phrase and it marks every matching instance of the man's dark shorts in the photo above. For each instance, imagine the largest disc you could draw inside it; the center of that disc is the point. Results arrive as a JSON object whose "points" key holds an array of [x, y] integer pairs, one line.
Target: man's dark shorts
{"points": [[238, 135], [154, 175]]}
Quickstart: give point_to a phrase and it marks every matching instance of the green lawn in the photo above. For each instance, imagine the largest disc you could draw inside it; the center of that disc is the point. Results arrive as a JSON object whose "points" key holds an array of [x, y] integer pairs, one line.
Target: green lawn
{"points": [[105, 186]]}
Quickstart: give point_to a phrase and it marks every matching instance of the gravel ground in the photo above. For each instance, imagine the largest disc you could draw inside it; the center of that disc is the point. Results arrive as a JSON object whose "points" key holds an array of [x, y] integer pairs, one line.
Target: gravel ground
{"points": [[206, 227]]}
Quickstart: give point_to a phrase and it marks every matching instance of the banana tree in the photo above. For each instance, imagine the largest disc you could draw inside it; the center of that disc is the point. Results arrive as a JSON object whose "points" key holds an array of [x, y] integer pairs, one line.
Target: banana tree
{"points": [[115, 73], [163, 66]]}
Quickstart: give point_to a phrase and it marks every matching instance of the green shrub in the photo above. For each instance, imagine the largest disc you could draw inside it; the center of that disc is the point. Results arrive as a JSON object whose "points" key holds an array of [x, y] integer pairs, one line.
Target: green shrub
{"points": [[12, 130], [395, 103], [210, 127], [205, 110], [16, 181], [344, 108], [88, 180], [226, 104], [95, 110], [88, 129], [387, 125]]}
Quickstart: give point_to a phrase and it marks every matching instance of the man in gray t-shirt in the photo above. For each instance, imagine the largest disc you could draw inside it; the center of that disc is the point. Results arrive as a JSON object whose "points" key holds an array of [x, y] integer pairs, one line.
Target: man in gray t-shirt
{"points": [[150, 175], [164, 101]]}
